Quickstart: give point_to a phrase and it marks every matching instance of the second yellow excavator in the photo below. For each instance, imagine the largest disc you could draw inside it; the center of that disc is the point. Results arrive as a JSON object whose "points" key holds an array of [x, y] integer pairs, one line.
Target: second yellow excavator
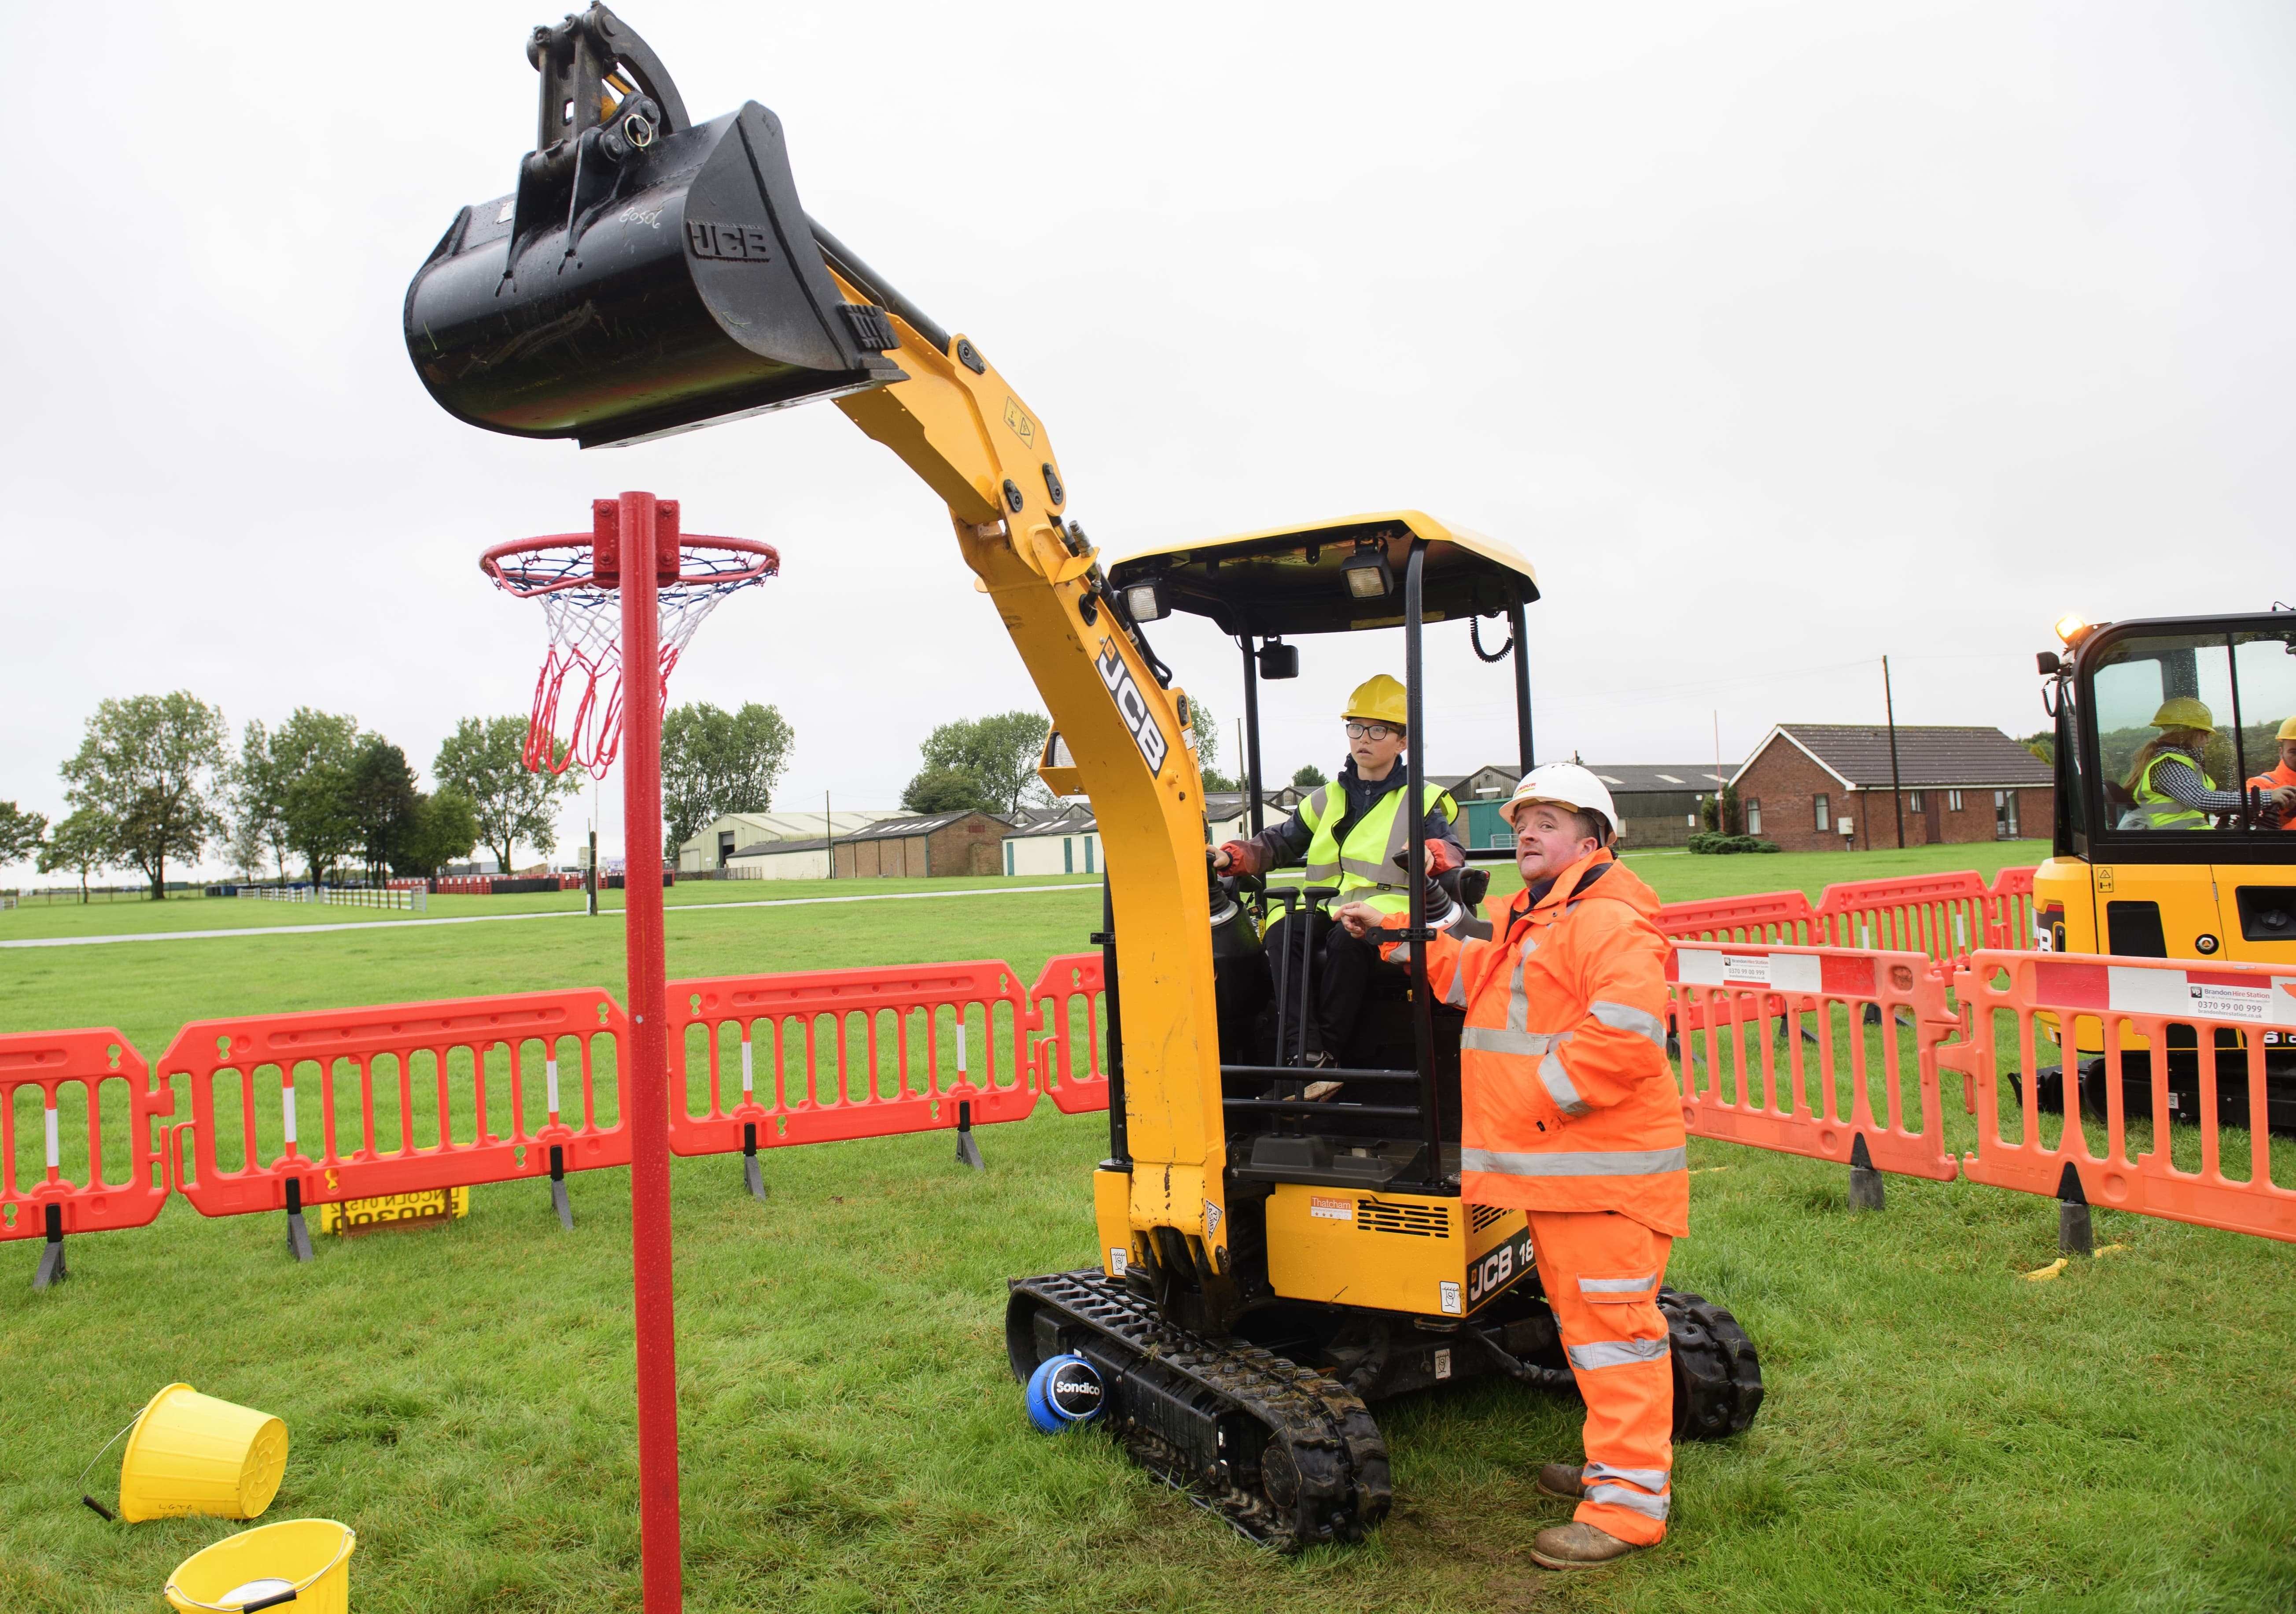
{"points": [[1266, 1265]]}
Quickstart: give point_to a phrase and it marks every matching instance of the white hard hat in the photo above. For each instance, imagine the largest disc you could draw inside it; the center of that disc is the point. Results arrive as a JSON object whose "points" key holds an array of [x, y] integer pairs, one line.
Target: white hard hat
{"points": [[1566, 785]]}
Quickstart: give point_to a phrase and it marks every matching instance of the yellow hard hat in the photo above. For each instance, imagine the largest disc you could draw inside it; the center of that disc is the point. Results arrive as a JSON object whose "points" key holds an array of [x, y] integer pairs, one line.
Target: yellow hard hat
{"points": [[2287, 730], [1382, 700], [2183, 712]]}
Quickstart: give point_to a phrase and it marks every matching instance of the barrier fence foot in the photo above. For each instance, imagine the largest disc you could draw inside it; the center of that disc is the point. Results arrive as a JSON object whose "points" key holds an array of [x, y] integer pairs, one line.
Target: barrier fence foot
{"points": [[753, 1177], [1865, 1181], [558, 1202], [968, 1152], [298, 1235], [2075, 1234], [52, 1253]]}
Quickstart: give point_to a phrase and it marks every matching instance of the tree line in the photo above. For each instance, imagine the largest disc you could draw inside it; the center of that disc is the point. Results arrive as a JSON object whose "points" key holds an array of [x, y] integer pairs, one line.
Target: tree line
{"points": [[156, 781], [989, 765]]}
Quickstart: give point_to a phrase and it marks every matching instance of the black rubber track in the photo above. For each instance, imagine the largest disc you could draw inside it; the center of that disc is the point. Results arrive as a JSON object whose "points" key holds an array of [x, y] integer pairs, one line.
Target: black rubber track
{"points": [[1324, 1474]]}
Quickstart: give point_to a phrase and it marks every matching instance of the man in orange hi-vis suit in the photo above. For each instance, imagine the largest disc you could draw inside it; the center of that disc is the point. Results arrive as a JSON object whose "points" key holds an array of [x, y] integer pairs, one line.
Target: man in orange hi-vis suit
{"points": [[1571, 1114], [2279, 786]]}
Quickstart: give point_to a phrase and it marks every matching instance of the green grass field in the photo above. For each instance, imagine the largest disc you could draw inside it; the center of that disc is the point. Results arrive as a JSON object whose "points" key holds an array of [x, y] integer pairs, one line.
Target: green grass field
{"points": [[1939, 1433]]}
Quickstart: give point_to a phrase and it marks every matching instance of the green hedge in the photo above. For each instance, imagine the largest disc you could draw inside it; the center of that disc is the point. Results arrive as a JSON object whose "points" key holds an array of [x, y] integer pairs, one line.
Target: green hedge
{"points": [[1710, 843]]}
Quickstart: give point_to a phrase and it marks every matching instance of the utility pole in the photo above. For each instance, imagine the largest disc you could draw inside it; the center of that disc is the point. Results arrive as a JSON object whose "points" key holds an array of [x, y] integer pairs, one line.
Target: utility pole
{"points": [[829, 833], [1721, 820], [1897, 790], [591, 883]]}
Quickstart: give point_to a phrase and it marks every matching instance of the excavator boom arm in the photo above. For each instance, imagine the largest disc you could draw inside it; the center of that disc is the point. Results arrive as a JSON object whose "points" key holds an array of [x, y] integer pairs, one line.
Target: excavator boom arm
{"points": [[651, 275]]}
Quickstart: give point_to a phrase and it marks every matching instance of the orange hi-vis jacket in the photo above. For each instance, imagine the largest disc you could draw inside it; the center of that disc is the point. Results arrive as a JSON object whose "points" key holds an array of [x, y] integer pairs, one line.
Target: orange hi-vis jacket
{"points": [[1569, 1101], [2279, 778]]}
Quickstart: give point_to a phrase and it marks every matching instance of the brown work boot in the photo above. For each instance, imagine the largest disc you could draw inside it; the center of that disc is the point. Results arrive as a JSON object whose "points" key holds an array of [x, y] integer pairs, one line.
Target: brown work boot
{"points": [[1576, 1547], [1566, 1480]]}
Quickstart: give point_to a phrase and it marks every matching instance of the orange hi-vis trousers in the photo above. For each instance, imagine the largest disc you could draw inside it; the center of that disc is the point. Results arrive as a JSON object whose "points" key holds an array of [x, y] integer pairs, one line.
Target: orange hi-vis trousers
{"points": [[1601, 1272]]}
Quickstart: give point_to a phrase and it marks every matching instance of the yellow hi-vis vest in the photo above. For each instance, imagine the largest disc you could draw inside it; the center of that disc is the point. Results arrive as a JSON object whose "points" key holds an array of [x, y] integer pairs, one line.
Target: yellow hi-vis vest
{"points": [[2162, 811], [1362, 867]]}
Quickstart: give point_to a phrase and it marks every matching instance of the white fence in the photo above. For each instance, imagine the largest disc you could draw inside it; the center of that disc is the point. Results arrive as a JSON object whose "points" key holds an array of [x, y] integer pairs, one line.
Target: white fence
{"points": [[414, 900]]}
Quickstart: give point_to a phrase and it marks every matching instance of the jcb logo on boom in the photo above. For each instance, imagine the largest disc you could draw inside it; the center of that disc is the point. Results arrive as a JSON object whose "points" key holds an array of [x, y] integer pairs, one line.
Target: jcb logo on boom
{"points": [[1134, 707], [1498, 1269]]}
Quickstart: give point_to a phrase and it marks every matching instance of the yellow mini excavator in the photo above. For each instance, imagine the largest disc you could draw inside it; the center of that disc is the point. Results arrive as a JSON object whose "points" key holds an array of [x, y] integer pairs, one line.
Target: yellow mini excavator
{"points": [[2136, 873], [1266, 1265]]}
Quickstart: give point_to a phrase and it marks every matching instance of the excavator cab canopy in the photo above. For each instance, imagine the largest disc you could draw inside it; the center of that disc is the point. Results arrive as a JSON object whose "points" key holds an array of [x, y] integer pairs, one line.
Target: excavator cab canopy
{"points": [[1327, 577]]}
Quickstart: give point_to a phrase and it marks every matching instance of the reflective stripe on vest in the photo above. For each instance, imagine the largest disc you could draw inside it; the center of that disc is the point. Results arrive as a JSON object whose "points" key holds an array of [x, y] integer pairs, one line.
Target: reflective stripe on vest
{"points": [[1622, 1016], [1618, 1286], [1614, 1353], [1362, 868], [1633, 1501], [2162, 811], [1577, 1162], [1512, 1042]]}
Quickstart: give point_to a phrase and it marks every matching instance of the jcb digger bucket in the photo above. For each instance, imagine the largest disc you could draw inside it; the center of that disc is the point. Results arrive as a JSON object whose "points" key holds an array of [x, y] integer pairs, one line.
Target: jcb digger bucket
{"points": [[648, 275]]}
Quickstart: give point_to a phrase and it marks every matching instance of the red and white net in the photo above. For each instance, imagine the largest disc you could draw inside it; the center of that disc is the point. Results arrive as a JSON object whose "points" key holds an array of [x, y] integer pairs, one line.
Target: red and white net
{"points": [[577, 718]]}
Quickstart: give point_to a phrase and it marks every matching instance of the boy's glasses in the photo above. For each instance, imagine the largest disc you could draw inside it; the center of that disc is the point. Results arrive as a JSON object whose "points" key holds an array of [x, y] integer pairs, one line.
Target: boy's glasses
{"points": [[1370, 731]]}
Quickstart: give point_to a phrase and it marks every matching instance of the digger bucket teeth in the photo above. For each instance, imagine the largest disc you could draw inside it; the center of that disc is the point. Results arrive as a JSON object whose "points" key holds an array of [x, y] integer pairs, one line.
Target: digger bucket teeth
{"points": [[645, 278]]}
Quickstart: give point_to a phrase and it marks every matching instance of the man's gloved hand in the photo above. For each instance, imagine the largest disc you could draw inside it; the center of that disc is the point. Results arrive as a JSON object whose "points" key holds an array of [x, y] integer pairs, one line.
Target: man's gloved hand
{"points": [[1234, 857], [1442, 858]]}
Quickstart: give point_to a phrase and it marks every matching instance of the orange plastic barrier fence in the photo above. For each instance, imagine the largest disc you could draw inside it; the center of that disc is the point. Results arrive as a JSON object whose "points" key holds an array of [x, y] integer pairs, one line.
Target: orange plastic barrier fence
{"points": [[110, 1075], [1783, 917], [1780, 916], [1069, 1000], [846, 1053], [1946, 916], [351, 1103], [1804, 1050], [1941, 916], [2011, 911], [2220, 1015]]}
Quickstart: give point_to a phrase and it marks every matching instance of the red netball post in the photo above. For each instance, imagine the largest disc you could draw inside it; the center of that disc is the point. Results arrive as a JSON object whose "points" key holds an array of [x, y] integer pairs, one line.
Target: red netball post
{"points": [[666, 584]]}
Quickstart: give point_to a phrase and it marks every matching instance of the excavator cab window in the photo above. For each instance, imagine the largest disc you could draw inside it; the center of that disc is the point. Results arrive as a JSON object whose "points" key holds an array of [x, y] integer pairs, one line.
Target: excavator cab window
{"points": [[2179, 726], [1395, 1118]]}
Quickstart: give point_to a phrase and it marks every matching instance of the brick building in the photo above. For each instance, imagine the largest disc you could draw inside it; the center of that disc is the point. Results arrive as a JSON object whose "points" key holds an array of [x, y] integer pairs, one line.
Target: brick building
{"points": [[1806, 782], [915, 848]]}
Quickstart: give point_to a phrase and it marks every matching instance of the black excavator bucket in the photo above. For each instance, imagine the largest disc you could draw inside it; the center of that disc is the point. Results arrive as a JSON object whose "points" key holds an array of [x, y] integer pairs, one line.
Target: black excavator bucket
{"points": [[648, 275]]}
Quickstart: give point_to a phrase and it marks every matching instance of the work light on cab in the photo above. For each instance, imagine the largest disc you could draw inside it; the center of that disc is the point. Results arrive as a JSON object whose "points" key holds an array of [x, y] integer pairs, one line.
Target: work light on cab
{"points": [[1367, 574], [1143, 601]]}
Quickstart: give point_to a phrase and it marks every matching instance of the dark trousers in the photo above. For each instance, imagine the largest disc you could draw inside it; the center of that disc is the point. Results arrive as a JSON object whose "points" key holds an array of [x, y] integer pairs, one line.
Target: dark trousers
{"points": [[1343, 967]]}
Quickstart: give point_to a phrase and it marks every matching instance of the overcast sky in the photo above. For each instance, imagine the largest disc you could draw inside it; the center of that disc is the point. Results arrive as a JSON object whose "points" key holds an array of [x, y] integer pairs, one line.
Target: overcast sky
{"points": [[1777, 337]]}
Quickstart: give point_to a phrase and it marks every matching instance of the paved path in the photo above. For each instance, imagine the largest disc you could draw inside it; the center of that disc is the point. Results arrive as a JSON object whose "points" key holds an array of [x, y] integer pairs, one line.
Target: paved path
{"points": [[498, 919]]}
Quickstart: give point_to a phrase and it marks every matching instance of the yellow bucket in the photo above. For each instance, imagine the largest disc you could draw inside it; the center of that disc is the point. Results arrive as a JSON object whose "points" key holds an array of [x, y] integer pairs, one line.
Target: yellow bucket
{"points": [[304, 1563], [192, 1453]]}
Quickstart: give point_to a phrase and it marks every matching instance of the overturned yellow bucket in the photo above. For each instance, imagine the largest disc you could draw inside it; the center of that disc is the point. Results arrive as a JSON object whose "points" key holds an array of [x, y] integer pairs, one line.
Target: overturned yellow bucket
{"points": [[192, 1453], [302, 1562]]}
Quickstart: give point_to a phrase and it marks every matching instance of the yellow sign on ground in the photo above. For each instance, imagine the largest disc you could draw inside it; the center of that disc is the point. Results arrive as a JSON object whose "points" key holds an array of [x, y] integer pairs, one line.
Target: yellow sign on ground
{"points": [[395, 1210]]}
